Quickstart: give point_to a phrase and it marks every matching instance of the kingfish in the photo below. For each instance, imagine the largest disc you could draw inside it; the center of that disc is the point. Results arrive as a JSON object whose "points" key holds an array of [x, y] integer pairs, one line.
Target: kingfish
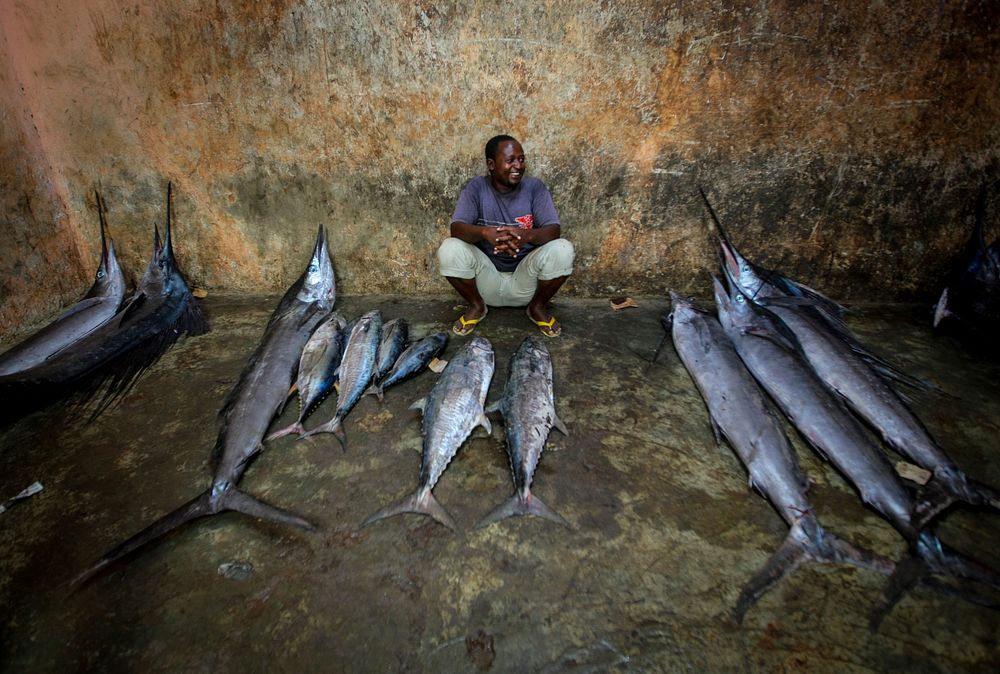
{"points": [[739, 413], [96, 307], [838, 362], [529, 413], [258, 396], [318, 367], [452, 410], [356, 370], [772, 354], [104, 364], [416, 357]]}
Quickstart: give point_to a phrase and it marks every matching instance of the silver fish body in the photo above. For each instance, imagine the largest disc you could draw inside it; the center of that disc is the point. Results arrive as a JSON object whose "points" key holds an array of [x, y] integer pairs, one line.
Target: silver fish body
{"points": [[529, 413], [415, 358], [97, 307], [452, 410], [318, 367], [356, 370], [258, 396], [739, 413], [395, 334]]}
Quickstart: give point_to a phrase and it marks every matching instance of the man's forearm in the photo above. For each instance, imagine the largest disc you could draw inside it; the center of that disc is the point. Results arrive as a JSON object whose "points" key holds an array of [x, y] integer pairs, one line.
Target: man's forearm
{"points": [[466, 232]]}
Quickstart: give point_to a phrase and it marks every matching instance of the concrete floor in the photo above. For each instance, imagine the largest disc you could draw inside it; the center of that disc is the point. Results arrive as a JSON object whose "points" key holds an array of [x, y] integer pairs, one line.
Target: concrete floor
{"points": [[665, 530]]}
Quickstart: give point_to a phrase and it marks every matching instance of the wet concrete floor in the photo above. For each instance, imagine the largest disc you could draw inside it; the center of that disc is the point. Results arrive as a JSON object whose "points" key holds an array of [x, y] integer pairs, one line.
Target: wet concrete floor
{"points": [[664, 531]]}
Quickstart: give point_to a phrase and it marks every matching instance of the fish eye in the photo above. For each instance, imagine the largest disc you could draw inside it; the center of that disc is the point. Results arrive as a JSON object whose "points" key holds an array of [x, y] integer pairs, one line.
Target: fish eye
{"points": [[100, 273], [745, 268], [740, 299], [313, 268]]}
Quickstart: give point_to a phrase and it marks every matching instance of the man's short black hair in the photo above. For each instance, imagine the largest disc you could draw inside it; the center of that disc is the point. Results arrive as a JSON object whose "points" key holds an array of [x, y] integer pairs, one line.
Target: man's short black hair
{"points": [[493, 143]]}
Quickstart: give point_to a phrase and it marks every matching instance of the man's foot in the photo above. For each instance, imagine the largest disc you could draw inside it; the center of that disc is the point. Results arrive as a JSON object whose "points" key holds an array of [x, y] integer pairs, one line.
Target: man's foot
{"points": [[548, 327], [467, 322]]}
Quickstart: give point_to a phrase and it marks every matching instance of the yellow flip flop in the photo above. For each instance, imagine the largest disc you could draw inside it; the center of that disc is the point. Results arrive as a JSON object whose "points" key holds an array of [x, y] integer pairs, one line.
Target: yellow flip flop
{"points": [[464, 326], [548, 328]]}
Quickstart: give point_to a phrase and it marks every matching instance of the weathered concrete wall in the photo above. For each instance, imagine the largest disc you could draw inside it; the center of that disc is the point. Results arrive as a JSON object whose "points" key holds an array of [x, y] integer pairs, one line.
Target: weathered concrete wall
{"points": [[841, 141]]}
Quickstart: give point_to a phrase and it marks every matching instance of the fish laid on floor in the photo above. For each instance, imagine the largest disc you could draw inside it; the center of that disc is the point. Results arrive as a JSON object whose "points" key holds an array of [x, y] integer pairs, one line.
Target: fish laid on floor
{"points": [[259, 395], [104, 364], [356, 370], [318, 367], [772, 355], [739, 413], [97, 307], [452, 410], [417, 356], [395, 334], [970, 301], [840, 366], [529, 414]]}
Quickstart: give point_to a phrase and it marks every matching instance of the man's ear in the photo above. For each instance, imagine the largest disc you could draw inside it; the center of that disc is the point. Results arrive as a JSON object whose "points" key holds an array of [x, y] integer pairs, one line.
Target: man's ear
{"points": [[490, 165]]}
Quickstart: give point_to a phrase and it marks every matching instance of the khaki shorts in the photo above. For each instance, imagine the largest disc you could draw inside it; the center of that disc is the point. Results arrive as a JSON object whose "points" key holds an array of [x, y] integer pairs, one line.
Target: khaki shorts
{"points": [[511, 288]]}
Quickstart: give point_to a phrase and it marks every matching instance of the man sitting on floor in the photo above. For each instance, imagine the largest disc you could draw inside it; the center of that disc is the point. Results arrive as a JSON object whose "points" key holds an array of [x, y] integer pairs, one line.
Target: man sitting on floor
{"points": [[505, 248]]}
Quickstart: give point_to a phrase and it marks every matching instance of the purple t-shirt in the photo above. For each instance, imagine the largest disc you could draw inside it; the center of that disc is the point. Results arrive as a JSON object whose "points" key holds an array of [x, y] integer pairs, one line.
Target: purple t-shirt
{"points": [[526, 206]]}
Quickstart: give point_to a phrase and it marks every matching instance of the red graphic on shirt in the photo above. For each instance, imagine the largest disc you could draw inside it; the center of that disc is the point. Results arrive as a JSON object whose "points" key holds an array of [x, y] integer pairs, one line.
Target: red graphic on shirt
{"points": [[525, 221]]}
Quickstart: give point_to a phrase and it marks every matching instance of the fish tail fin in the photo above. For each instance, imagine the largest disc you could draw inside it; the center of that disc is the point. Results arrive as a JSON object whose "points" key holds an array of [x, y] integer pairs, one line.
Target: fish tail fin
{"points": [[205, 504], [334, 426], [947, 488], [518, 505], [240, 501], [375, 390], [200, 506], [807, 541], [929, 557], [297, 427], [422, 502]]}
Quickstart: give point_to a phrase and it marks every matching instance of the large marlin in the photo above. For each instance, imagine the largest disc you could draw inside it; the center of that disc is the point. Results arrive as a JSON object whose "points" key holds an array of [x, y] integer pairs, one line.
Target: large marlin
{"points": [[772, 354], [96, 307], [259, 395], [837, 361], [106, 362], [739, 413], [529, 414], [452, 410]]}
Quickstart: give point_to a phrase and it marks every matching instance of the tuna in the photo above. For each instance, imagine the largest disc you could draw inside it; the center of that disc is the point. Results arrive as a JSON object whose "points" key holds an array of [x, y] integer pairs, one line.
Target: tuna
{"points": [[452, 410], [772, 354], [395, 334], [318, 370], [105, 364], [96, 308], [739, 413], [356, 370], [416, 357], [529, 413], [258, 396]]}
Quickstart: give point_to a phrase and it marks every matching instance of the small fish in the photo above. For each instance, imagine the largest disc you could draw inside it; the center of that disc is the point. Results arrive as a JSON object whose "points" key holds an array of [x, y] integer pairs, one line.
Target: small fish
{"points": [[416, 357], [395, 334], [258, 396], [318, 368], [452, 410], [529, 413], [356, 370], [95, 309]]}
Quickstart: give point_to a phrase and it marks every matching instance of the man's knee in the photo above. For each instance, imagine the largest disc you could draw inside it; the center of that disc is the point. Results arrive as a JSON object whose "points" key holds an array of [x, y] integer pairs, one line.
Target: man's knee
{"points": [[557, 261], [455, 259]]}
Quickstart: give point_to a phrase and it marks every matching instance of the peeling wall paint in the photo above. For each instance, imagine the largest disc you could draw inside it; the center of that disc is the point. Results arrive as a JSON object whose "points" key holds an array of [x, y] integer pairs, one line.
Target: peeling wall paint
{"points": [[843, 142]]}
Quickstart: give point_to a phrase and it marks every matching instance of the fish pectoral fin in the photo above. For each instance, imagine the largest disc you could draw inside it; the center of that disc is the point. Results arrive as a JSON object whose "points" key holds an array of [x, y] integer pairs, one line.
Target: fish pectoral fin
{"points": [[558, 424], [716, 431], [133, 306], [485, 423], [80, 306], [419, 404], [494, 407]]}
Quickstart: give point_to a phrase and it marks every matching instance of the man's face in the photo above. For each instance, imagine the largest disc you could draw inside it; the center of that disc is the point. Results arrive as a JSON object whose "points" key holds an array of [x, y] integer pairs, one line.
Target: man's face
{"points": [[507, 166]]}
